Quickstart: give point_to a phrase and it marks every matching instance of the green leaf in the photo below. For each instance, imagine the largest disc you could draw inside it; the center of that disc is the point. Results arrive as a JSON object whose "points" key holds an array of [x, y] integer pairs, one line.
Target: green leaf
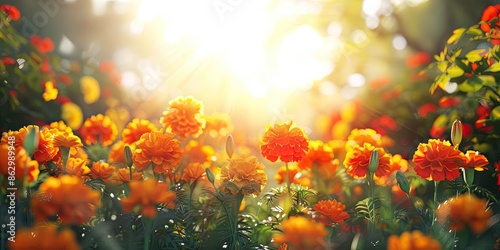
{"points": [[472, 84], [455, 71], [488, 80], [439, 81], [474, 30], [494, 67], [456, 35], [495, 113], [442, 66], [475, 55]]}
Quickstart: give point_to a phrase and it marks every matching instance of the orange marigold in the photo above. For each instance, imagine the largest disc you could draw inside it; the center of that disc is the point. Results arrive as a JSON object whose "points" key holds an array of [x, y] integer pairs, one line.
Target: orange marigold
{"points": [[67, 141], [246, 173], [284, 142], [302, 233], [98, 129], [218, 125], [158, 148], [19, 159], [46, 149], [67, 197], [77, 167], [415, 240], [146, 195], [123, 175], [465, 211], [19, 135], [475, 160], [45, 237], [438, 160], [330, 211], [197, 152], [360, 136], [319, 154], [102, 170], [135, 129], [357, 159], [280, 176], [192, 172], [116, 153], [184, 117], [397, 163]]}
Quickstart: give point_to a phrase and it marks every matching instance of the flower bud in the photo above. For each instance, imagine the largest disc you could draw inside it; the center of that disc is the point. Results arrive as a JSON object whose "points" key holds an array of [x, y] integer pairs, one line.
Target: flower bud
{"points": [[127, 154], [30, 143], [210, 176], [373, 164], [403, 182], [469, 176], [456, 133], [229, 146]]}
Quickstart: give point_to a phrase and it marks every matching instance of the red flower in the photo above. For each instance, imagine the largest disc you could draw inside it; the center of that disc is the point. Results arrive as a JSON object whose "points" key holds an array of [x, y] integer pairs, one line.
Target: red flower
{"points": [[438, 160], [448, 102], [491, 13], [284, 142], [357, 159], [8, 61], [11, 11], [44, 45], [426, 109], [417, 60], [331, 211]]}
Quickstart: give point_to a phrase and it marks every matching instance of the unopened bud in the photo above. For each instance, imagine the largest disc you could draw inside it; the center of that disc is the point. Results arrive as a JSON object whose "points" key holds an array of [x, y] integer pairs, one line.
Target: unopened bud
{"points": [[127, 154], [210, 176], [456, 133], [403, 182], [230, 146], [469, 176], [373, 164]]}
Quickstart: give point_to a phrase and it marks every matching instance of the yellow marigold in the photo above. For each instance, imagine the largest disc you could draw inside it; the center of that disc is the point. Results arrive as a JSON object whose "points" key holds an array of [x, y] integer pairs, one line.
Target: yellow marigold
{"points": [[246, 173], [280, 176], [357, 159], [302, 233], [330, 211], [218, 125], [67, 141], [72, 114], [44, 237], [146, 195], [98, 129], [192, 172], [362, 136], [475, 160], [67, 197], [160, 149], [415, 240], [61, 126], [19, 159], [102, 170], [123, 176], [135, 129], [197, 152], [90, 89], [465, 211], [284, 142], [46, 150], [438, 160], [77, 167], [50, 92], [184, 117], [319, 154]]}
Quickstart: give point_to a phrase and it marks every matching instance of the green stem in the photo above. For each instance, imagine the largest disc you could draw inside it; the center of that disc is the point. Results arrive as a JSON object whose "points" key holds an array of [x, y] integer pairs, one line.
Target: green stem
{"points": [[147, 223], [434, 202], [416, 209], [371, 222], [288, 179]]}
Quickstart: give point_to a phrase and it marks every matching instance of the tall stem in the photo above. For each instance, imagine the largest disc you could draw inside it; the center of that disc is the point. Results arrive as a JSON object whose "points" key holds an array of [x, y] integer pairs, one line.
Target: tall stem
{"points": [[371, 224], [434, 202], [288, 179]]}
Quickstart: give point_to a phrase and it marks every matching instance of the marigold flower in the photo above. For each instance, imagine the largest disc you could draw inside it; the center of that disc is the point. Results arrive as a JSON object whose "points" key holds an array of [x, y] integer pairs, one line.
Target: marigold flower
{"points": [[367, 135], [330, 211], [97, 129], [90, 89], [415, 240], [50, 92], [184, 117], [67, 197], [246, 173], [438, 160], [475, 160], [302, 233], [72, 114], [319, 154], [46, 149], [283, 246], [77, 167], [197, 152], [102, 170], [123, 175], [116, 153], [11, 11], [67, 141], [192, 172], [465, 211], [146, 195], [357, 159], [61, 127], [44, 45], [280, 176], [284, 142], [397, 163], [19, 160], [218, 125], [45, 237], [135, 129], [158, 148]]}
